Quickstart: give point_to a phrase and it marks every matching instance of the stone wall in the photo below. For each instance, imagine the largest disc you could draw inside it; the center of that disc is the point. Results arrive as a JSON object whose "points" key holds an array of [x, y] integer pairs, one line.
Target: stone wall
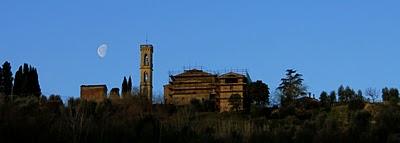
{"points": [[97, 93]]}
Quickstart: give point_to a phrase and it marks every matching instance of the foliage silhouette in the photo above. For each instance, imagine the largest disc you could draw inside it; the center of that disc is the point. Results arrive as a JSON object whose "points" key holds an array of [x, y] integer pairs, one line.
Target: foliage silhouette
{"points": [[6, 79], [291, 87], [26, 82], [44, 119]]}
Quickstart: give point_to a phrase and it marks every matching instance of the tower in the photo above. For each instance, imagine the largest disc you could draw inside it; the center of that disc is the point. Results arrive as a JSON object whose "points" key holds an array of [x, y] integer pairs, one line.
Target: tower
{"points": [[146, 71]]}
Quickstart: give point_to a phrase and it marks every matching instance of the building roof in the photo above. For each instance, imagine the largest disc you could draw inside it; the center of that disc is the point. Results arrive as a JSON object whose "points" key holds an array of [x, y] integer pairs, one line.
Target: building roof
{"points": [[231, 74], [95, 85], [193, 72]]}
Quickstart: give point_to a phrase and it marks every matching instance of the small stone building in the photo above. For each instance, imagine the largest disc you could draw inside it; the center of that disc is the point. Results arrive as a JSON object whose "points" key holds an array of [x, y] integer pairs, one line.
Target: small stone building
{"points": [[97, 93], [200, 85]]}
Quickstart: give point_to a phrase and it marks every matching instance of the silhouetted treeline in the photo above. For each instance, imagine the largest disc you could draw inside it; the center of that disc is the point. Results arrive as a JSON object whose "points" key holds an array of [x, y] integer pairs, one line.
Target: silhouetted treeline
{"points": [[34, 119], [343, 115], [25, 83]]}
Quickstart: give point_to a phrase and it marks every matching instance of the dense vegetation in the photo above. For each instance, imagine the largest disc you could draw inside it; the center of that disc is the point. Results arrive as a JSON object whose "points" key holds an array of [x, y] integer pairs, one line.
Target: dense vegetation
{"points": [[345, 115]]}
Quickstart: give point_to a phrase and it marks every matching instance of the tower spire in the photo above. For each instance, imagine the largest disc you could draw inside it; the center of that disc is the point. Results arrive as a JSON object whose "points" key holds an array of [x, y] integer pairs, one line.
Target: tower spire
{"points": [[146, 38]]}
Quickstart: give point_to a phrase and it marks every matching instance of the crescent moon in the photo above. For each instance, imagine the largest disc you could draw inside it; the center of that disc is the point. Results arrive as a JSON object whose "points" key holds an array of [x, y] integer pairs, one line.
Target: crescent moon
{"points": [[102, 50]]}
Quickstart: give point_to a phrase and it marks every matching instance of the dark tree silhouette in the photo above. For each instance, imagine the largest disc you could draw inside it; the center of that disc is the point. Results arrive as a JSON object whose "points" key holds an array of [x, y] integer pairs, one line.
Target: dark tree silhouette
{"points": [[332, 97], [291, 87], [6, 79], [359, 93], [324, 99], [26, 82], [18, 82], [129, 90], [390, 95], [372, 93], [34, 82], [258, 92], [341, 94], [346, 94], [356, 101], [124, 88]]}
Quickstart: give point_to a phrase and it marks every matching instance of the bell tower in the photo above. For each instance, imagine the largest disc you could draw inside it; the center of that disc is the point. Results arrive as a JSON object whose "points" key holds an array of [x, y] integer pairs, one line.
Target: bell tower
{"points": [[146, 71]]}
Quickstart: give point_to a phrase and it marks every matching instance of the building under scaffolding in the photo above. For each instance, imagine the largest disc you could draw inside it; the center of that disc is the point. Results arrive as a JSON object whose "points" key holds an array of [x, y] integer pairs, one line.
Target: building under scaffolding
{"points": [[198, 84]]}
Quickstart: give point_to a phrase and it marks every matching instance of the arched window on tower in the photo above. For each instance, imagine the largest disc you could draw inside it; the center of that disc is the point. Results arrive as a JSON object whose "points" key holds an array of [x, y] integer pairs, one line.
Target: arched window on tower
{"points": [[146, 60], [145, 77]]}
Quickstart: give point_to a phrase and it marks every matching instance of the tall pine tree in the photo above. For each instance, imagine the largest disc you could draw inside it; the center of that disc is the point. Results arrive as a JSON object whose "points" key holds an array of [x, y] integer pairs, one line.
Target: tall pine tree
{"points": [[291, 87]]}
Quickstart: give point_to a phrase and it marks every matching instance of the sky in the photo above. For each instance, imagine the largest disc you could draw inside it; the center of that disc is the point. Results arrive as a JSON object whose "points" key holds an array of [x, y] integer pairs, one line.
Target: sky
{"points": [[349, 42]]}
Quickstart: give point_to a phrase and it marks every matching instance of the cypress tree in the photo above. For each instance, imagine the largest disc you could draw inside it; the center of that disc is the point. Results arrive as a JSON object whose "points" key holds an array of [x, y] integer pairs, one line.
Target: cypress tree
{"points": [[35, 83], [26, 81], [7, 78], [18, 82], [129, 84], [124, 88]]}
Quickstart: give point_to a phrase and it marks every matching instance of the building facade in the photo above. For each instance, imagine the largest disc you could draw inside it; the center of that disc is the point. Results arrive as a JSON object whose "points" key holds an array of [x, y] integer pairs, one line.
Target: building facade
{"points": [[197, 84], [96, 93]]}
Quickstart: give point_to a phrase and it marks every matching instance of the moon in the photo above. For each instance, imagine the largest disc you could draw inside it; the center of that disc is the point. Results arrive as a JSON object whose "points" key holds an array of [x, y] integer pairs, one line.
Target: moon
{"points": [[102, 50]]}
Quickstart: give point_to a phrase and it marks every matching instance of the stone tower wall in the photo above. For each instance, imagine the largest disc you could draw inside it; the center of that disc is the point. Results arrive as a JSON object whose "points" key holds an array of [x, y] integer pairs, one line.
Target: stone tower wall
{"points": [[146, 71]]}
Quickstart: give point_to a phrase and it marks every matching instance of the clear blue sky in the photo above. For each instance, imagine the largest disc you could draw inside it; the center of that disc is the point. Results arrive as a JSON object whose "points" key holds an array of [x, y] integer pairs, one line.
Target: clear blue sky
{"points": [[350, 42]]}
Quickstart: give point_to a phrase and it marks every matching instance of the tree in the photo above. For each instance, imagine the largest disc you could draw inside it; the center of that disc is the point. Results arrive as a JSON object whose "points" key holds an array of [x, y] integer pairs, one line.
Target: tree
{"points": [[345, 94], [234, 102], [258, 93], [356, 101], [359, 93], [129, 90], [291, 87], [55, 102], [18, 82], [372, 93], [332, 97], [124, 88], [341, 94], [6, 79], [26, 82], [34, 82], [324, 99], [390, 95]]}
